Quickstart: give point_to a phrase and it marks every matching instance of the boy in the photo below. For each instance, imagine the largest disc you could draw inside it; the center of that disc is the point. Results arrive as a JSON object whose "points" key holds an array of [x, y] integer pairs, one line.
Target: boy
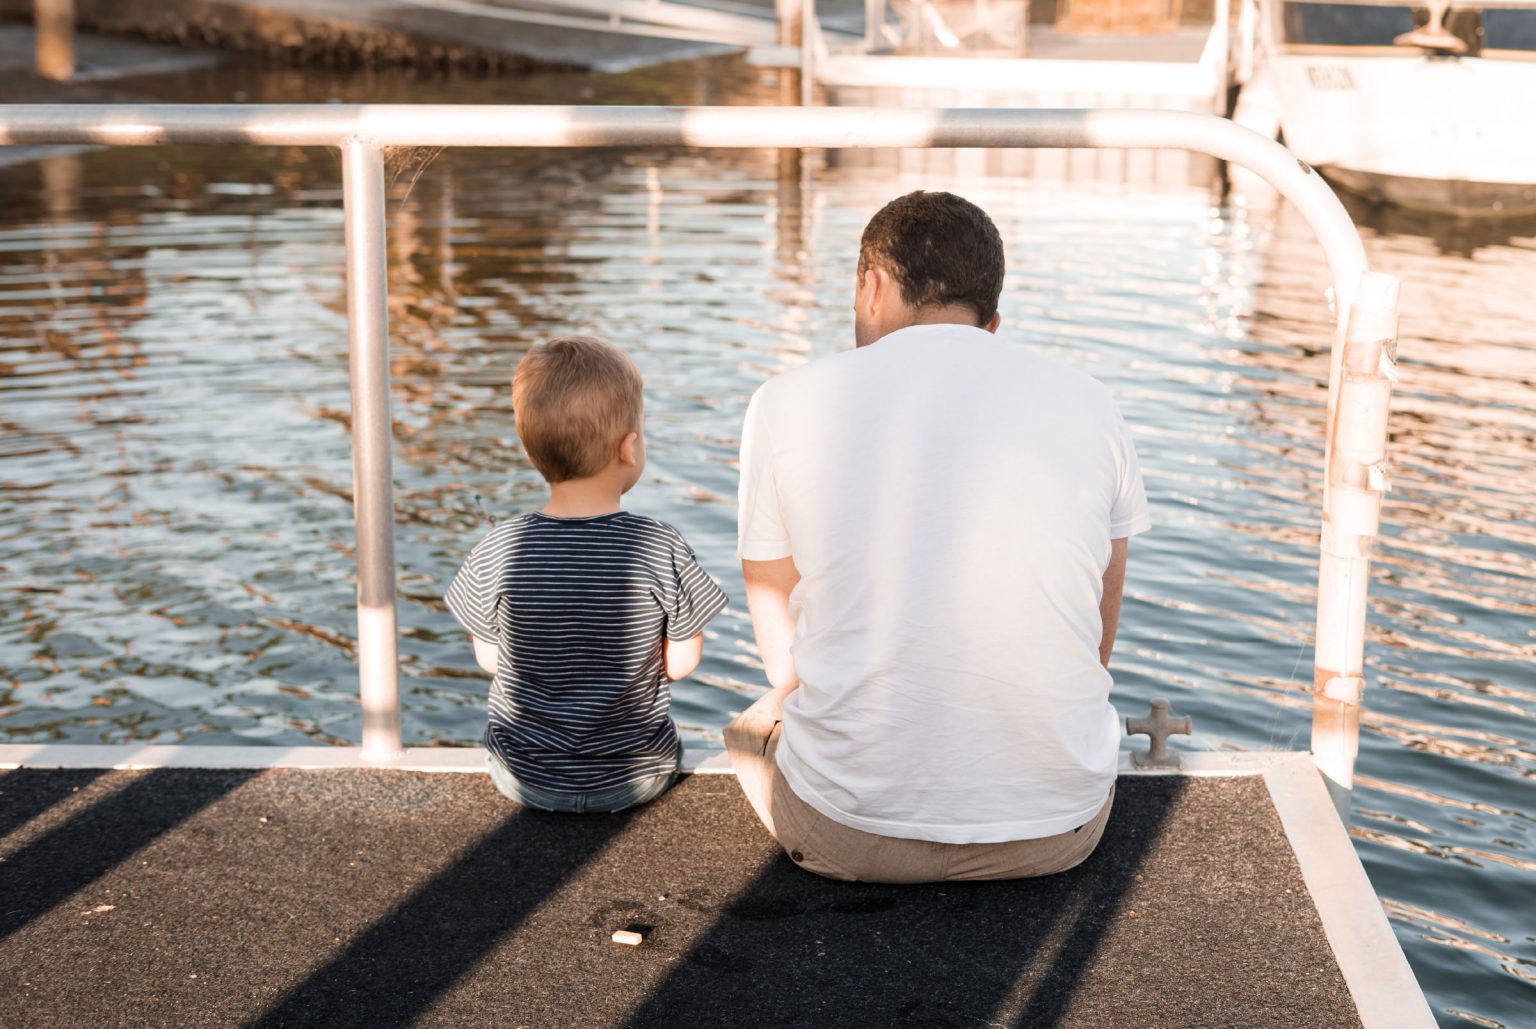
{"points": [[582, 613]]}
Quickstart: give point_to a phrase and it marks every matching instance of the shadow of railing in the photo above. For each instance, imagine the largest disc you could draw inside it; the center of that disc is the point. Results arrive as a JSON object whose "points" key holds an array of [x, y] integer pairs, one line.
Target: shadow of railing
{"points": [[792, 949], [68, 858], [1120, 858], [465, 909], [25, 793], [405, 961]]}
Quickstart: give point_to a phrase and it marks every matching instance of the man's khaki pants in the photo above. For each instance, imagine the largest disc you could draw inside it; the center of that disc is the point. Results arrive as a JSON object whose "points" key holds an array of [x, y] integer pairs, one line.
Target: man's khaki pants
{"points": [[818, 844]]}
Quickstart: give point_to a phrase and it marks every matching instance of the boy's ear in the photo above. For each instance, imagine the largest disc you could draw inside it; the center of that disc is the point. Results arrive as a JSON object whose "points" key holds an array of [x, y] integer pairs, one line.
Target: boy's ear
{"points": [[629, 449]]}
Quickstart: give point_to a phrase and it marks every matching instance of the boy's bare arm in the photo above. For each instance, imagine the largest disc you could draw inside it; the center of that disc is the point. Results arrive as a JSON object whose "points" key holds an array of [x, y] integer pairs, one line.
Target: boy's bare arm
{"points": [[485, 655], [1114, 589], [769, 584], [681, 657]]}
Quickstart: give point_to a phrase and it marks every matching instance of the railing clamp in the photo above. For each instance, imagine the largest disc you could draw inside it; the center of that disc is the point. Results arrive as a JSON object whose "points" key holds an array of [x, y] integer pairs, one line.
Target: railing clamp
{"points": [[1346, 689]]}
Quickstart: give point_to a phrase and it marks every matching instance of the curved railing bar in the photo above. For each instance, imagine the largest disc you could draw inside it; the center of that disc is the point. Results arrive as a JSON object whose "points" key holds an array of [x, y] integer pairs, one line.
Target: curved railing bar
{"points": [[727, 127], [1353, 479]]}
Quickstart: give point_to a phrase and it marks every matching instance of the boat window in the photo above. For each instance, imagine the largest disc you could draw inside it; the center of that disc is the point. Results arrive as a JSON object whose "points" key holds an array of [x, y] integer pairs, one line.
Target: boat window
{"points": [[1509, 28], [1345, 24]]}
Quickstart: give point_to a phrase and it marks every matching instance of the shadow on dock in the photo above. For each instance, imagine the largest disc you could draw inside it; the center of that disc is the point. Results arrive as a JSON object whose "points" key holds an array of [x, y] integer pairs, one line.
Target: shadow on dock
{"points": [[287, 897], [75, 854]]}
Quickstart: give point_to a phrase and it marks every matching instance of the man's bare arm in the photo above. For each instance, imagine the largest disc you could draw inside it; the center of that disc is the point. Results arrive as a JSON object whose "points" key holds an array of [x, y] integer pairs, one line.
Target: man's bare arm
{"points": [[768, 587], [1114, 588]]}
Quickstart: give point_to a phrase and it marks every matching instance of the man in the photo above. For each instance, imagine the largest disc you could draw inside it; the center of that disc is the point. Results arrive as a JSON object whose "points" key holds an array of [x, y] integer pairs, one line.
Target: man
{"points": [[933, 533]]}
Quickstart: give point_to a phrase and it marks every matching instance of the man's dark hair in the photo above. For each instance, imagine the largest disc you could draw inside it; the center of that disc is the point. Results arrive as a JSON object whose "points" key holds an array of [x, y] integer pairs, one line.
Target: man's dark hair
{"points": [[941, 250]]}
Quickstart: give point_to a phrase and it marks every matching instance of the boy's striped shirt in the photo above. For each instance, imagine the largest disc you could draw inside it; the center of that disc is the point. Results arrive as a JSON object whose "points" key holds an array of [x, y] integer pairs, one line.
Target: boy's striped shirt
{"points": [[577, 608]]}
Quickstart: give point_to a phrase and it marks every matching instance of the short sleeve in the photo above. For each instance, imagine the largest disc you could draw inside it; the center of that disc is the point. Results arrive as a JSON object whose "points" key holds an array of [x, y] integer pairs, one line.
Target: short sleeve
{"points": [[692, 598], [472, 595], [1129, 515], [760, 532]]}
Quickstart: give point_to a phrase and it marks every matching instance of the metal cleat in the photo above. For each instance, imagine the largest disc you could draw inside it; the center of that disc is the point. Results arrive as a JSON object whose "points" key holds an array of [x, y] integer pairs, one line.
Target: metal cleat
{"points": [[1158, 726]]}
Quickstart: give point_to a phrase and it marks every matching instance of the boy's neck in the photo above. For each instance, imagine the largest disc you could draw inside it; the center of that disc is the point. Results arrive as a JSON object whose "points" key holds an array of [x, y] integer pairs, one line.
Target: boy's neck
{"points": [[583, 498]]}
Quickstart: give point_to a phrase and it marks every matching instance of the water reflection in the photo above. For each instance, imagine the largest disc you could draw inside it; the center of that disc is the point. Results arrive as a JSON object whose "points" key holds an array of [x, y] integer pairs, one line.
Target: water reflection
{"points": [[1447, 736], [175, 468]]}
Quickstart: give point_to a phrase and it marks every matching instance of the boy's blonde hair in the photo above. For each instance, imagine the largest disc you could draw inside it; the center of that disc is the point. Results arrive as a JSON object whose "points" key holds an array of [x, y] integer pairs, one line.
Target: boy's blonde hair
{"points": [[573, 399]]}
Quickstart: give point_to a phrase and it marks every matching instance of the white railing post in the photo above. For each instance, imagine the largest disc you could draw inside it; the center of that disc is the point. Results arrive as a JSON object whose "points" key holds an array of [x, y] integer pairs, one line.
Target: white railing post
{"points": [[373, 505], [1360, 393]]}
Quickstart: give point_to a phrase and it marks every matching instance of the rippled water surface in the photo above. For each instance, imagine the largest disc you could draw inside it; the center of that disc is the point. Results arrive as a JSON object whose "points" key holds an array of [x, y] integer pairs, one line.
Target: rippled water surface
{"points": [[175, 520]]}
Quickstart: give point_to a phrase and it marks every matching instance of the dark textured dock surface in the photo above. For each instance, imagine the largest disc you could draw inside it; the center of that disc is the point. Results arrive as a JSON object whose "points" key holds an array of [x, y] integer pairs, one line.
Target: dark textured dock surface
{"points": [[284, 897]]}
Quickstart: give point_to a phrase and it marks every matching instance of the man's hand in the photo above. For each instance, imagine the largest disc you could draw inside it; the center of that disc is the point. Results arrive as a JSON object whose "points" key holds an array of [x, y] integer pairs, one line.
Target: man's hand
{"points": [[768, 587], [1109, 605]]}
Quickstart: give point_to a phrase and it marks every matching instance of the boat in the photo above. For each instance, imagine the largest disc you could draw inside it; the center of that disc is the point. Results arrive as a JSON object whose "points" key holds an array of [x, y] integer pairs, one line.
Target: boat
{"points": [[1426, 108], [1105, 54]]}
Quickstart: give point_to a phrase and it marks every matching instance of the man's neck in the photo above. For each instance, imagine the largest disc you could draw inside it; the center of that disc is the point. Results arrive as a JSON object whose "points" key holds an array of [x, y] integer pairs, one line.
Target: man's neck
{"points": [[583, 498], [954, 314], [907, 317]]}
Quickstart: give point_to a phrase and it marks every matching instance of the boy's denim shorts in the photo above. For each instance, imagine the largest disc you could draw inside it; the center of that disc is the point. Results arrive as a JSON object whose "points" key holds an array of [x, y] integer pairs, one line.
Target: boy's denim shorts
{"points": [[614, 798]]}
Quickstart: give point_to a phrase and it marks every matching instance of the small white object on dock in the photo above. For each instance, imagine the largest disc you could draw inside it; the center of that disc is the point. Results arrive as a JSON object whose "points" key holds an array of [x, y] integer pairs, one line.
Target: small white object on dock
{"points": [[628, 936]]}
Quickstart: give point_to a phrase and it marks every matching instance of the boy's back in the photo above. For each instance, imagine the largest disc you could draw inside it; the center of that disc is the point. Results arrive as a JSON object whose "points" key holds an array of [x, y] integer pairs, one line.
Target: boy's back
{"points": [[578, 608]]}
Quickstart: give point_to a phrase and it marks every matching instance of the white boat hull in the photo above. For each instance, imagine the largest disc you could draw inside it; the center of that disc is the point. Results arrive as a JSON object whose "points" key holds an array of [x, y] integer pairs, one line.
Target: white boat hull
{"points": [[1436, 133]]}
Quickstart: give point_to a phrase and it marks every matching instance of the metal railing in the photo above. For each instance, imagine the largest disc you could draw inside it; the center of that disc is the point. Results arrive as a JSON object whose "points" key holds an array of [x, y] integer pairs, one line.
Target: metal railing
{"points": [[1359, 385]]}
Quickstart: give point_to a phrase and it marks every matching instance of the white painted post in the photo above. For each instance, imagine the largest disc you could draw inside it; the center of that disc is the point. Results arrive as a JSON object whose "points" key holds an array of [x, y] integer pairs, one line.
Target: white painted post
{"points": [[53, 23], [1356, 478], [362, 165]]}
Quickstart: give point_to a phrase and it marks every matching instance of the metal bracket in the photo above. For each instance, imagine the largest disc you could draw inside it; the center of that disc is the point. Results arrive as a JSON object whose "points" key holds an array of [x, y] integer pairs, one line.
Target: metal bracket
{"points": [[1161, 724], [1345, 689]]}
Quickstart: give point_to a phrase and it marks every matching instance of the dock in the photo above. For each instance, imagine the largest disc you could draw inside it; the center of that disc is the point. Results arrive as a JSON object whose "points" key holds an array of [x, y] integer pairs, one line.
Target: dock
{"points": [[285, 896], [508, 36]]}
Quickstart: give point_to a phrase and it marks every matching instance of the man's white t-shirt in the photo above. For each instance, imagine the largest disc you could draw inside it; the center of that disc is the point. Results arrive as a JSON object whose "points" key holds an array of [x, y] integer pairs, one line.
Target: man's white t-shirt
{"points": [[949, 500]]}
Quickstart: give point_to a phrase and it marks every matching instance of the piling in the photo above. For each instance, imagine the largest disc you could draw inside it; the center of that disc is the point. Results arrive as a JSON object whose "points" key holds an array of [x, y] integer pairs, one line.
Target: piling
{"points": [[791, 22], [54, 23]]}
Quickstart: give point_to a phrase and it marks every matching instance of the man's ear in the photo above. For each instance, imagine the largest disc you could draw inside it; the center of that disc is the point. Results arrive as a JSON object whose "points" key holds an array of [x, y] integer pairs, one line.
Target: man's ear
{"points": [[997, 319], [629, 448], [875, 290]]}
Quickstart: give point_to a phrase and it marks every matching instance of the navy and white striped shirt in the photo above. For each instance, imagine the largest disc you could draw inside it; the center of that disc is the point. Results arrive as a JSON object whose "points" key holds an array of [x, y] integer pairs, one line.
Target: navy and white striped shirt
{"points": [[577, 608]]}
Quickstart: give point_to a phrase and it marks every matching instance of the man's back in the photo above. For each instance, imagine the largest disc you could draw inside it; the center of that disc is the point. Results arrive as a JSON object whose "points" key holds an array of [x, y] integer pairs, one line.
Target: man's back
{"points": [[950, 499]]}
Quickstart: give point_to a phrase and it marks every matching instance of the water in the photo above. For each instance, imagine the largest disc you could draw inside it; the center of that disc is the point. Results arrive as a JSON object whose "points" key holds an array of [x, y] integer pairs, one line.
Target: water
{"points": [[175, 521]]}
